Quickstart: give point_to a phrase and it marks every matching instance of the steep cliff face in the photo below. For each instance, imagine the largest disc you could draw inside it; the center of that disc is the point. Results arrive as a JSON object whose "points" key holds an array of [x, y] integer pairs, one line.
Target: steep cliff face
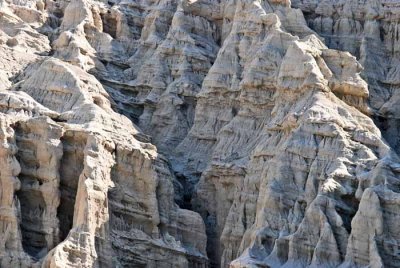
{"points": [[369, 30], [199, 133], [78, 188]]}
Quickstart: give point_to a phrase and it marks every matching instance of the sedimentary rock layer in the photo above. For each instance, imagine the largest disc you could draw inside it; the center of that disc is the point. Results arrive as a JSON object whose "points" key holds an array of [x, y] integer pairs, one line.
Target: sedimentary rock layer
{"points": [[199, 133]]}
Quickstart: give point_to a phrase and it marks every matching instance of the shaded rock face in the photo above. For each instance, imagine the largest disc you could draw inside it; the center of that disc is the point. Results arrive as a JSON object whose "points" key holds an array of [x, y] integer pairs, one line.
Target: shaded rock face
{"points": [[199, 133]]}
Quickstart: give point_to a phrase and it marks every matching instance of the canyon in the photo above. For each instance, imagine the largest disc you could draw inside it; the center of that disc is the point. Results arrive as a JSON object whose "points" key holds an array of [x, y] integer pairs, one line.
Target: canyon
{"points": [[199, 133]]}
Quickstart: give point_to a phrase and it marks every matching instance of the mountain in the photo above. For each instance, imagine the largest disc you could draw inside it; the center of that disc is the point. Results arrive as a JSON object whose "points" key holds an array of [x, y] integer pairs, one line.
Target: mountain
{"points": [[199, 133]]}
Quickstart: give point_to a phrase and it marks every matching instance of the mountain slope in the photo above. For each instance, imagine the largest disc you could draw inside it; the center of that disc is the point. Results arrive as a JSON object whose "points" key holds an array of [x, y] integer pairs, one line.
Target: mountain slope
{"points": [[199, 133]]}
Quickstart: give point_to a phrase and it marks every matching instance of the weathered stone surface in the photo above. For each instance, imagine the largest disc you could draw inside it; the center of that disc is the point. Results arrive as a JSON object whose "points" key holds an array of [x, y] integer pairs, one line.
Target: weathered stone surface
{"points": [[367, 29], [199, 133], [80, 189]]}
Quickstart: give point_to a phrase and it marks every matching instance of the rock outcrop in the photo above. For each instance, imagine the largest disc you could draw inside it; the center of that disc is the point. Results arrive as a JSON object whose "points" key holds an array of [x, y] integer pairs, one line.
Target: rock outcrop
{"points": [[199, 133], [367, 29], [78, 187]]}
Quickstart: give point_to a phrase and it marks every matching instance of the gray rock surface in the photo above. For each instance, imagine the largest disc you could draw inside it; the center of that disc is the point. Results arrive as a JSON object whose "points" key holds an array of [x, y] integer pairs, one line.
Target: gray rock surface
{"points": [[199, 133]]}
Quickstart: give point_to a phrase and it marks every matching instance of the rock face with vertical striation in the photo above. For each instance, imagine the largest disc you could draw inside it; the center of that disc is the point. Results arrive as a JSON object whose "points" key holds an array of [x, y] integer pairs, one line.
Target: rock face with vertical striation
{"points": [[199, 133]]}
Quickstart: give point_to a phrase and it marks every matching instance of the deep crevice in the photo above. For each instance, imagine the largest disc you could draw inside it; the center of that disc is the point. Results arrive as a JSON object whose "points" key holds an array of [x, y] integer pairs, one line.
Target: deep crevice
{"points": [[32, 208], [70, 169], [109, 24]]}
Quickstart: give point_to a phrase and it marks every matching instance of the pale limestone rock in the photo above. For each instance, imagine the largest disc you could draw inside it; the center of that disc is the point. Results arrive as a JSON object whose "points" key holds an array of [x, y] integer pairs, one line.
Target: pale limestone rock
{"points": [[260, 119], [79, 159], [367, 30], [40, 151], [273, 232]]}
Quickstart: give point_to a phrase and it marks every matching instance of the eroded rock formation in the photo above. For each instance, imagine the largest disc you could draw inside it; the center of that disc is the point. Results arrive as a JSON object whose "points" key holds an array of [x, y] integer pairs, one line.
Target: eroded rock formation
{"points": [[199, 133]]}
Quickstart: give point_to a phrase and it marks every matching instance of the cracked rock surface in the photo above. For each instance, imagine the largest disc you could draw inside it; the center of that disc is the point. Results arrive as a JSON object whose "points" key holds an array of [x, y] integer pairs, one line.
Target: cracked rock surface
{"points": [[199, 133]]}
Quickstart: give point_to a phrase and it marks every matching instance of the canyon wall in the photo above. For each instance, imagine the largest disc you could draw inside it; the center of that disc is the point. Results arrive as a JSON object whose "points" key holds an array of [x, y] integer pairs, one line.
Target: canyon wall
{"points": [[199, 133]]}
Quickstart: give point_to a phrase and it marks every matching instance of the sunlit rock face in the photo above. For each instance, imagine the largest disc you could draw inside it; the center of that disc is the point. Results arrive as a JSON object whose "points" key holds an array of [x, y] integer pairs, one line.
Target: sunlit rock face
{"points": [[199, 133], [368, 30]]}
